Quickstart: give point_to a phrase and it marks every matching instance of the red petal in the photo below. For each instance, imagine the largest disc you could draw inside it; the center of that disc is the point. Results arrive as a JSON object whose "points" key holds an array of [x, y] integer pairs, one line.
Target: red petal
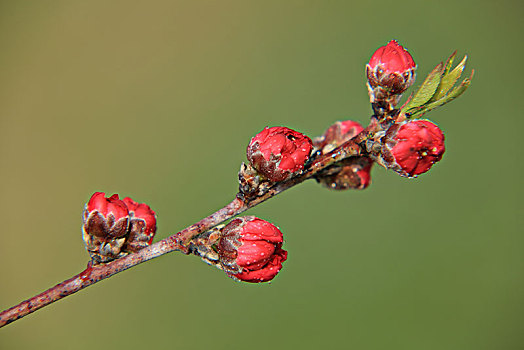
{"points": [[287, 163], [259, 229], [98, 202], [143, 211], [267, 273], [117, 207], [350, 126], [254, 254], [131, 204]]}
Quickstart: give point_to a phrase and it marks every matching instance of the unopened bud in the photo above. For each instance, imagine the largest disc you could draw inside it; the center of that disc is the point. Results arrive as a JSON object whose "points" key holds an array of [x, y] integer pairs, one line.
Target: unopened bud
{"points": [[106, 224], [412, 147], [250, 249], [142, 225], [351, 173], [337, 134], [113, 228], [390, 71], [278, 153]]}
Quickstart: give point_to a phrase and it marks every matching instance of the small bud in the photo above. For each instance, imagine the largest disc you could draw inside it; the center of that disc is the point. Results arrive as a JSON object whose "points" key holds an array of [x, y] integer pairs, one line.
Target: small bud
{"points": [[390, 71], [113, 228], [106, 223], [337, 134], [142, 225], [412, 147], [392, 58], [352, 173], [278, 153], [250, 249]]}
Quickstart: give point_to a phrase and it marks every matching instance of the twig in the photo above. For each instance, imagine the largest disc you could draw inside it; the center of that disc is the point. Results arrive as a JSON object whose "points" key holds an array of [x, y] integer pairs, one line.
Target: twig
{"points": [[180, 240]]}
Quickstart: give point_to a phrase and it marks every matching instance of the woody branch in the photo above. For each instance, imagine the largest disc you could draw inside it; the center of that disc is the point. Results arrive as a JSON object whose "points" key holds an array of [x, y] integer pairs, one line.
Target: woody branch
{"points": [[118, 234]]}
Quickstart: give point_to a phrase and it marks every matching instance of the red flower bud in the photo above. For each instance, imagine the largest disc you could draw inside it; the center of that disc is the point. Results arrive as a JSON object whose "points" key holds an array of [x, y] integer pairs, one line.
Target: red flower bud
{"points": [[392, 58], [352, 173], [412, 147], [350, 127], [106, 223], [106, 216], [113, 227], [390, 71], [278, 153], [337, 134], [142, 226], [250, 249], [364, 176]]}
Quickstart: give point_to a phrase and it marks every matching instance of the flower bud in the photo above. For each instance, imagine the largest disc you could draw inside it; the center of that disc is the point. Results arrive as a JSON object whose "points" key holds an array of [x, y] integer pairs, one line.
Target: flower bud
{"points": [[142, 225], [113, 227], [278, 153], [412, 147], [390, 71], [352, 173], [337, 134], [105, 225], [250, 249]]}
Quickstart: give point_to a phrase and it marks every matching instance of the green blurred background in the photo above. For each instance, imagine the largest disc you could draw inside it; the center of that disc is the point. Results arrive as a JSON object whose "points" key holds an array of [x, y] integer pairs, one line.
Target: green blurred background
{"points": [[157, 100]]}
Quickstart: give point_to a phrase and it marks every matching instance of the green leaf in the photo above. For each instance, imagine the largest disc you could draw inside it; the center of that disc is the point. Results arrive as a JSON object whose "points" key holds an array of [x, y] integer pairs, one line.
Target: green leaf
{"points": [[427, 89], [449, 79], [449, 62], [408, 100], [456, 92]]}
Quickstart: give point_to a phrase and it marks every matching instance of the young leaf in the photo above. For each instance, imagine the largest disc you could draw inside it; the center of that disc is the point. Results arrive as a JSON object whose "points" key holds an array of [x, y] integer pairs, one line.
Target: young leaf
{"points": [[456, 92], [449, 79], [449, 62], [427, 90]]}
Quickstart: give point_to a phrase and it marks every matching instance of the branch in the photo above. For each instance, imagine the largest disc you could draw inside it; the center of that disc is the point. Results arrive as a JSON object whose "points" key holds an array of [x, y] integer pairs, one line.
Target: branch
{"points": [[84, 279], [181, 240], [409, 147]]}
